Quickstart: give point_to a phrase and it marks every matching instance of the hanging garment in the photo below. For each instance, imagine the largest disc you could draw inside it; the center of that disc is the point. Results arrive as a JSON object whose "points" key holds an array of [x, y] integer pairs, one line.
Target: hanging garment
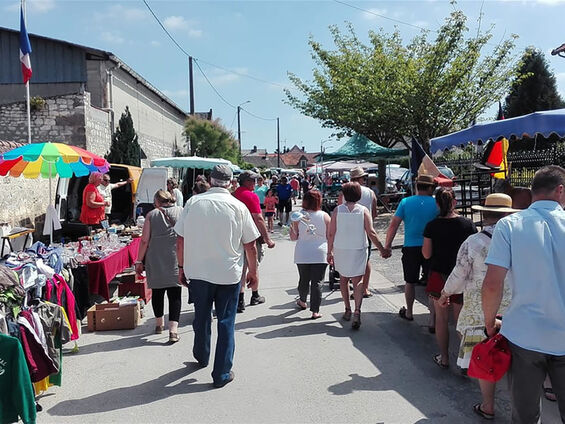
{"points": [[39, 363], [58, 292], [17, 398]]}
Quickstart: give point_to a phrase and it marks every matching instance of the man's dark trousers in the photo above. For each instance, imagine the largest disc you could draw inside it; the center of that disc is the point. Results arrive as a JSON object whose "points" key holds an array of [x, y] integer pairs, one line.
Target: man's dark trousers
{"points": [[225, 298]]}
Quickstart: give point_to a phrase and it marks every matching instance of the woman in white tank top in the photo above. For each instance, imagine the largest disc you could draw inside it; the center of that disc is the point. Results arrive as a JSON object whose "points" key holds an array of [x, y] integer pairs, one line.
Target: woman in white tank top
{"points": [[310, 253], [350, 226]]}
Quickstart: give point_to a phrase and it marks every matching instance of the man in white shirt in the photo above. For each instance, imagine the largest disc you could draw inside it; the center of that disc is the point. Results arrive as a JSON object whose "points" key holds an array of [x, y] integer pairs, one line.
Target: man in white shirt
{"points": [[215, 231], [105, 189], [529, 246]]}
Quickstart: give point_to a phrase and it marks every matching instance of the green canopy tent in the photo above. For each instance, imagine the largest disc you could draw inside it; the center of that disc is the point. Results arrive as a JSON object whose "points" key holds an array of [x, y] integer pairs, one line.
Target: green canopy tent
{"points": [[360, 147]]}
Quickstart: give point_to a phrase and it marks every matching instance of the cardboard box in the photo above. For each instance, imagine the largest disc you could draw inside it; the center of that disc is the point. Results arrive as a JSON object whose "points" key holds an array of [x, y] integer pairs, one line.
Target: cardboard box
{"points": [[136, 288], [112, 316]]}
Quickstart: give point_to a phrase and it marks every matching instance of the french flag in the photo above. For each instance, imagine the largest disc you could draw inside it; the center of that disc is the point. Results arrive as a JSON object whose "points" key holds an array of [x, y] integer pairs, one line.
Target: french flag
{"points": [[25, 49]]}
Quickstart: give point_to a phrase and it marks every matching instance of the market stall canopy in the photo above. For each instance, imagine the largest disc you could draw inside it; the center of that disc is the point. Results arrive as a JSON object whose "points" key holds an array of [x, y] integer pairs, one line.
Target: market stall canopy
{"points": [[545, 123], [360, 147], [192, 162], [348, 165], [318, 168], [49, 160]]}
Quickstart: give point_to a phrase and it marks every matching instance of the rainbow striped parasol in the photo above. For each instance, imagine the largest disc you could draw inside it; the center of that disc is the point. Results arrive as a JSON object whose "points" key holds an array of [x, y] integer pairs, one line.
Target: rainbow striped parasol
{"points": [[50, 159]]}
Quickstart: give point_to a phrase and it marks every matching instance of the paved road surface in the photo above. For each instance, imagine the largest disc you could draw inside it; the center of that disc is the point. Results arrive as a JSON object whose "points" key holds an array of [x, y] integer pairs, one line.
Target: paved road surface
{"points": [[289, 369]]}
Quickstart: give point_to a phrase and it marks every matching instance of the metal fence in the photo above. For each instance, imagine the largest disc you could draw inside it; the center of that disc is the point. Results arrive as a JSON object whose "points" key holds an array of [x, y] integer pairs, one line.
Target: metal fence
{"points": [[522, 165]]}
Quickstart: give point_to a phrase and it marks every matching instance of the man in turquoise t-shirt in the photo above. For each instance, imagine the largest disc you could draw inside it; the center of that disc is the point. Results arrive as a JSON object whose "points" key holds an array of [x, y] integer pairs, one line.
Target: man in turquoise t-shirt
{"points": [[416, 211]]}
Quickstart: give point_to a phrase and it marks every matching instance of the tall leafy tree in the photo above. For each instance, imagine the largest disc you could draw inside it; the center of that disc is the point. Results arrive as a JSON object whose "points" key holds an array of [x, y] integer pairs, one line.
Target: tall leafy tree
{"points": [[387, 91], [534, 88], [210, 139], [125, 146]]}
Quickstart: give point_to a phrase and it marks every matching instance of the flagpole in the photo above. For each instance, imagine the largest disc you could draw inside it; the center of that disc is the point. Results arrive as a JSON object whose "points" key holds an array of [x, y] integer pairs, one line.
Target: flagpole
{"points": [[28, 107], [28, 114]]}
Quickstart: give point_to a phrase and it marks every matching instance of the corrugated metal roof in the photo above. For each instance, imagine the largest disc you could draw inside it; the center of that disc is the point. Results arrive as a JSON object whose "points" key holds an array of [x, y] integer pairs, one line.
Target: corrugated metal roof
{"points": [[10, 65], [6, 146]]}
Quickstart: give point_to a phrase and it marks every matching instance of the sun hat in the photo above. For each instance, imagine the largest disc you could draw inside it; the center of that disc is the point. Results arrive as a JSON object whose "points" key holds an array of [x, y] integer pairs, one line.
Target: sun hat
{"points": [[357, 172], [221, 172], [425, 179], [496, 202]]}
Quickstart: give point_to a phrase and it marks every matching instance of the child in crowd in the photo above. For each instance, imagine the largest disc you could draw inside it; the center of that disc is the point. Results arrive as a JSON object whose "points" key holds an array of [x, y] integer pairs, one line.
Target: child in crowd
{"points": [[271, 202]]}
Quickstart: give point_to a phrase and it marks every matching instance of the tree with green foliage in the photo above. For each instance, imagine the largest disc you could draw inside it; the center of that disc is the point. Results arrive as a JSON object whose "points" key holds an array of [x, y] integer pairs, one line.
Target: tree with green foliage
{"points": [[125, 147], [386, 91], [210, 139], [535, 87]]}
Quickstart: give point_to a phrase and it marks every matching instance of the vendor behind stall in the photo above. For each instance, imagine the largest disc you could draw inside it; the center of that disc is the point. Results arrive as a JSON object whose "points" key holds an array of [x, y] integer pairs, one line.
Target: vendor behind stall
{"points": [[105, 188], [93, 203]]}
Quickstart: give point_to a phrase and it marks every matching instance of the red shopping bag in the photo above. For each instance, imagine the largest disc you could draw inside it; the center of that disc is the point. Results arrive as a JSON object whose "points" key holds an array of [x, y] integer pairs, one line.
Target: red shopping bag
{"points": [[490, 359]]}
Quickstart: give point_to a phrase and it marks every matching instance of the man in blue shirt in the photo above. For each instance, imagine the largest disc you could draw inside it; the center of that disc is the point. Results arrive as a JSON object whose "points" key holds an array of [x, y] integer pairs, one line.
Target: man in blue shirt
{"points": [[284, 191], [416, 212], [529, 246]]}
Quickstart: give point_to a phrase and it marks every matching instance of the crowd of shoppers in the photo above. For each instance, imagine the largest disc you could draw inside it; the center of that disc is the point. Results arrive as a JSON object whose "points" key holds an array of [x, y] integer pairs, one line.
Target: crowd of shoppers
{"points": [[512, 268]]}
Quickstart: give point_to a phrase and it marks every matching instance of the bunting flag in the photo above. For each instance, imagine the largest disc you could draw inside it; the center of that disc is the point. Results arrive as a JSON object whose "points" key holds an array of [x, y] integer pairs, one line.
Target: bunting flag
{"points": [[421, 163], [495, 155], [25, 49]]}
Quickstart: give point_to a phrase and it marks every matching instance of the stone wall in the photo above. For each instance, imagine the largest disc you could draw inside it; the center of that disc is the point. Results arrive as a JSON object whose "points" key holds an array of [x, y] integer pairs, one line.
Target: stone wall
{"points": [[60, 120], [23, 202], [98, 130]]}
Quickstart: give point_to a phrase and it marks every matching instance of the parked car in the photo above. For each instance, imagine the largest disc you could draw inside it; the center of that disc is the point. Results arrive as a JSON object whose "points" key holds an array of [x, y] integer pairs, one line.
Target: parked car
{"points": [[406, 179]]}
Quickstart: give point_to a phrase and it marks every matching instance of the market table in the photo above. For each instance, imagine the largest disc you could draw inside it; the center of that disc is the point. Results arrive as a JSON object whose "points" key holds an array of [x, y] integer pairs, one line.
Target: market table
{"points": [[101, 272]]}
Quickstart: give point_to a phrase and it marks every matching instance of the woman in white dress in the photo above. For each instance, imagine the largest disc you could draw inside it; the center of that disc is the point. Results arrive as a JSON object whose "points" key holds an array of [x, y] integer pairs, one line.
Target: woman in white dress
{"points": [[350, 226], [467, 278]]}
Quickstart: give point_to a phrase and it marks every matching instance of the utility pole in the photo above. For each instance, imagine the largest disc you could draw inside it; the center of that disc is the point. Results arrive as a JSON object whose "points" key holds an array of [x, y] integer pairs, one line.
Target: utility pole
{"points": [[278, 145], [191, 85], [239, 129], [239, 124]]}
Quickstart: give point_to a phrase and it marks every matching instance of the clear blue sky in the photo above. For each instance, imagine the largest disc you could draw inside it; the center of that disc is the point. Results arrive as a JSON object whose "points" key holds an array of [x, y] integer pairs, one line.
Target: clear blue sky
{"points": [[264, 39]]}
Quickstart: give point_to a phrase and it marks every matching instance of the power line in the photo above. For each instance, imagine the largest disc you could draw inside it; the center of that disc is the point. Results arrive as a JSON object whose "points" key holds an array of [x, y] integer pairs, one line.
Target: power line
{"points": [[206, 62], [258, 117], [165, 29], [211, 85], [381, 16]]}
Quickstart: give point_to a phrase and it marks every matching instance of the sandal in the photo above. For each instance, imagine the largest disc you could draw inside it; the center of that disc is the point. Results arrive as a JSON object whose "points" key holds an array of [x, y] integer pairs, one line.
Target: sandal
{"points": [[347, 314], [173, 337], [356, 323], [301, 305], [481, 413], [402, 314], [316, 315], [437, 360], [549, 394], [158, 329]]}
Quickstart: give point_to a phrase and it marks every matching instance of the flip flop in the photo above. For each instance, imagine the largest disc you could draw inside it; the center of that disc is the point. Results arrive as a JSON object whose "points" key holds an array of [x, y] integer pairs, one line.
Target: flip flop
{"points": [[437, 360], [316, 315], [402, 314], [481, 413], [301, 305], [549, 394]]}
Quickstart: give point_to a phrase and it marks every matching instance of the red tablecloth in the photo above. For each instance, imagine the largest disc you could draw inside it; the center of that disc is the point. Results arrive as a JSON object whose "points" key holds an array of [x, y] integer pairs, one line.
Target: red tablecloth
{"points": [[101, 272]]}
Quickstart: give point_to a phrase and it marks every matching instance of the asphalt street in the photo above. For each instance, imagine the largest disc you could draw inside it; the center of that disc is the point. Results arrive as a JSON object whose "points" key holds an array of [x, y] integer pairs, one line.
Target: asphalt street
{"points": [[288, 368]]}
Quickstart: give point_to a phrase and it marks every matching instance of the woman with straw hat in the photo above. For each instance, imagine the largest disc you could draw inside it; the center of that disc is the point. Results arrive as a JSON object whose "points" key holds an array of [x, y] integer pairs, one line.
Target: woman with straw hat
{"points": [[467, 278]]}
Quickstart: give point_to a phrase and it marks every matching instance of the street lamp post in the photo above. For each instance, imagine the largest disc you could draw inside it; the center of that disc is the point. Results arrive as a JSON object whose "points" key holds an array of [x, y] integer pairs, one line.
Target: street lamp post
{"points": [[322, 159], [239, 124]]}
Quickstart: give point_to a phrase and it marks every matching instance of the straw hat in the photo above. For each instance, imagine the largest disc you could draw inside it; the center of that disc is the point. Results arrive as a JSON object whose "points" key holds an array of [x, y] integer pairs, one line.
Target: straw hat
{"points": [[425, 180], [357, 172], [496, 202]]}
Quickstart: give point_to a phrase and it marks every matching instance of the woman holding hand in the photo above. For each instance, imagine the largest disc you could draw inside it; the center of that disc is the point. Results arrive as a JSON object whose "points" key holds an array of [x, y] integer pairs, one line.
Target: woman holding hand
{"points": [[350, 226]]}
